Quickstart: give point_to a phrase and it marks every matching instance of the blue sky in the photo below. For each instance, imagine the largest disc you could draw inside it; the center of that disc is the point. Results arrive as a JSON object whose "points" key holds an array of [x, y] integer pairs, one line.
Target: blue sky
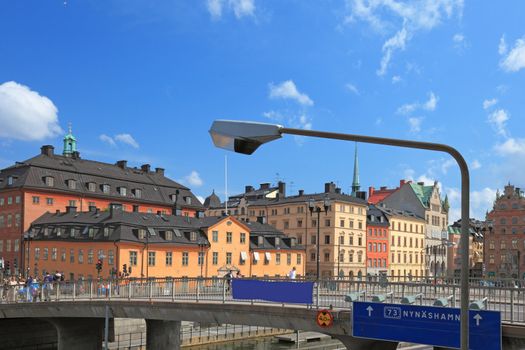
{"points": [[143, 80]]}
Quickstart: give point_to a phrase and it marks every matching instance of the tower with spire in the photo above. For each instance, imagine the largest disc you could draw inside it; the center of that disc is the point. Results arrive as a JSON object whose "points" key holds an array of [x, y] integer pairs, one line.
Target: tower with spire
{"points": [[70, 143], [355, 181]]}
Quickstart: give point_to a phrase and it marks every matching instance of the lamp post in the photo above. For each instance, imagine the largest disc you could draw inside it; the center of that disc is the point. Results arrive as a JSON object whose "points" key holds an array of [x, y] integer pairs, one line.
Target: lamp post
{"points": [[246, 137], [315, 208]]}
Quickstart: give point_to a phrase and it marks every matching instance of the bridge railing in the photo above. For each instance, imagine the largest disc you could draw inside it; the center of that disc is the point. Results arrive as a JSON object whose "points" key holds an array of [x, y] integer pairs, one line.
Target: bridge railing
{"points": [[507, 297]]}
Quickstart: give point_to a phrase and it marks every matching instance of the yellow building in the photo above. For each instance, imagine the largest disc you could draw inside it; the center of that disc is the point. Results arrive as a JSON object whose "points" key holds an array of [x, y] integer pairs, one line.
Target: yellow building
{"points": [[407, 243], [342, 229]]}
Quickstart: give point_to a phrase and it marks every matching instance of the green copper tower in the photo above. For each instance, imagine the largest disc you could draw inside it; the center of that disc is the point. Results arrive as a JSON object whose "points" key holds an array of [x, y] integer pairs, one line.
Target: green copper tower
{"points": [[70, 143], [355, 182]]}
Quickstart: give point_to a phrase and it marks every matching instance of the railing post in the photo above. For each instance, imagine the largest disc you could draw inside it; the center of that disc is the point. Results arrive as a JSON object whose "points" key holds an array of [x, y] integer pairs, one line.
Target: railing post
{"points": [[74, 290], [173, 289], [317, 292], [90, 290], [511, 306], [454, 295], [223, 291], [198, 288], [58, 292], [150, 284], [109, 290]]}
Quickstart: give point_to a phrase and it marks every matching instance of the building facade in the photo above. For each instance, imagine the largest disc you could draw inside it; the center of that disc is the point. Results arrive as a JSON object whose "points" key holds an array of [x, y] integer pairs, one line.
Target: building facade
{"points": [[50, 182], [476, 248], [377, 242], [425, 202], [504, 235]]}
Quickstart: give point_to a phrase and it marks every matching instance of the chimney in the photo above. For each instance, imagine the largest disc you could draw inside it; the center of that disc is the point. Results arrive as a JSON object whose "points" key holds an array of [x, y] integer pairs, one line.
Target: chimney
{"points": [[370, 191], [135, 208], [301, 193], [361, 195], [145, 168], [338, 190], [401, 182], [265, 186], [282, 188], [71, 209], [248, 189], [114, 208], [57, 211], [122, 164], [159, 171], [92, 208], [261, 219], [329, 187], [47, 150], [75, 155], [421, 183], [382, 188]]}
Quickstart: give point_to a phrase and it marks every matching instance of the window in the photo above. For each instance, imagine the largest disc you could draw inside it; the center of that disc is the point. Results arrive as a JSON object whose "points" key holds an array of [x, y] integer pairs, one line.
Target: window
{"points": [[503, 221], [327, 256], [1, 201], [314, 223], [277, 258], [141, 233], [243, 238], [288, 259], [342, 222], [72, 184], [133, 258], [360, 224], [185, 259], [300, 223], [92, 187], [37, 254], [359, 240], [341, 239], [9, 200], [80, 256], [215, 236], [54, 254], [44, 255], [327, 222], [286, 224], [228, 237], [50, 181], [49, 201], [123, 191], [326, 239], [151, 258], [200, 259], [9, 220], [111, 257], [71, 256], [36, 200], [215, 258], [2, 222], [193, 236], [137, 192], [72, 203], [90, 256], [8, 246], [351, 223], [312, 239], [17, 220], [107, 231], [105, 188], [298, 259], [312, 256]]}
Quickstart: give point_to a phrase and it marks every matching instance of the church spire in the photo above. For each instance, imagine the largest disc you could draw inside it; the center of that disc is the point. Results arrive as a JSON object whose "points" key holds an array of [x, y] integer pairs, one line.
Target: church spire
{"points": [[70, 143], [355, 182]]}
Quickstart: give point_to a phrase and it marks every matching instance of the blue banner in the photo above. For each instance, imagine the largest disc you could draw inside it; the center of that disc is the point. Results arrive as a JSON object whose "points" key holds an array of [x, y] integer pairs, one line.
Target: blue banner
{"points": [[278, 291]]}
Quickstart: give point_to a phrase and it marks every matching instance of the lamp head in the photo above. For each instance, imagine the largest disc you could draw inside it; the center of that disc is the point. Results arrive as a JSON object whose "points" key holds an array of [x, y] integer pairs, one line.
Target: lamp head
{"points": [[243, 137]]}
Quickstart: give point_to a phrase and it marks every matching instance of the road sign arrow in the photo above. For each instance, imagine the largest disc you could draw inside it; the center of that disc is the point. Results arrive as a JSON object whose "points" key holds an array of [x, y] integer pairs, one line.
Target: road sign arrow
{"points": [[477, 317], [369, 309]]}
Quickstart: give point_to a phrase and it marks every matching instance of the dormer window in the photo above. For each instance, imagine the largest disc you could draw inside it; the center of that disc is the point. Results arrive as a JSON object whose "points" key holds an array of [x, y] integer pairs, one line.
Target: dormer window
{"points": [[142, 233], [105, 188], [10, 180], [277, 241], [92, 187], [72, 184], [106, 231], [187, 200], [49, 180], [72, 232], [59, 232], [173, 197], [169, 235], [260, 240], [123, 191], [193, 236], [91, 232], [137, 192], [46, 231]]}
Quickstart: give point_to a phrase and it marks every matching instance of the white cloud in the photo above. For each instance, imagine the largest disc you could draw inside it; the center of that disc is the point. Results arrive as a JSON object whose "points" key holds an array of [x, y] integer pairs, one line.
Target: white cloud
{"points": [[25, 114], [107, 139], [481, 201], [288, 90], [352, 88], [396, 79], [408, 174], [489, 103], [193, 179], [446, 165], [121, 138], [301, 121], [515, 60], [502, 47], [475, 165], [415, 124], [458, 38], [215, 8], [240, 8], [127, 139], [431, 104], [511, 146], [409, 17], [498, 119], [201, 199]]}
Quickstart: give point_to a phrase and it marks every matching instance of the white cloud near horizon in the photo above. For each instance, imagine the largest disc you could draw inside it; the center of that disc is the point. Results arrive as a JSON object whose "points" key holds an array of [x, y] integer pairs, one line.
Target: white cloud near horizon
{"points": [[121, 138], [240, 8], [25, 114], [193, 179], [511, 146], [409, 17], [515, 59], [288, 90]]}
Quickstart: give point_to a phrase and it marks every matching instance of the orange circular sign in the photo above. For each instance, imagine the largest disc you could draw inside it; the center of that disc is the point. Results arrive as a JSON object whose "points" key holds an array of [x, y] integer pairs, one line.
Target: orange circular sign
{"points": [[324, 318]]}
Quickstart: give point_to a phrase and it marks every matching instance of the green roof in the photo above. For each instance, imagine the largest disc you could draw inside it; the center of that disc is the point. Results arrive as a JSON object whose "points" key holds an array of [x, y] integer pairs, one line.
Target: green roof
{"points": [[423, 193]]}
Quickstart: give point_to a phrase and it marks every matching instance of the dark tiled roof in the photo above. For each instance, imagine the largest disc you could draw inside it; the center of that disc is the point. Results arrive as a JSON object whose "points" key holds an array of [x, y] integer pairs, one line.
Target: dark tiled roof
{"points": [[333, 196], [212, 201], [397, 212], [376, 214], [155, 187]]}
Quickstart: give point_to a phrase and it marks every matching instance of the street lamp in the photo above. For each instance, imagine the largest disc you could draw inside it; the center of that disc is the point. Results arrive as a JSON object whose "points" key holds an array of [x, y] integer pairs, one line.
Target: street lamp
{"points": [[246, 137], [313, 207]]}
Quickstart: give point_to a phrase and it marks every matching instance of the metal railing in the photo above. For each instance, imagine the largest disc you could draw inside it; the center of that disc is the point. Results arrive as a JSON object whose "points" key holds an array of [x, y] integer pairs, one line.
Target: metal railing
{"points": [[506, 296]]}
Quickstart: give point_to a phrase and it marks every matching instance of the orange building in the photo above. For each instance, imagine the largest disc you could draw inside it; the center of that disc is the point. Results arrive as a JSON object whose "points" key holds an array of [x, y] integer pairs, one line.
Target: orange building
{"points": [[155, 245], [50, 182]]}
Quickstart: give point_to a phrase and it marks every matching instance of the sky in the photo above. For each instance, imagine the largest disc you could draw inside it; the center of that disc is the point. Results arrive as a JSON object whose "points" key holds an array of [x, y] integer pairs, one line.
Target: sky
{"points": [[144, 80]]}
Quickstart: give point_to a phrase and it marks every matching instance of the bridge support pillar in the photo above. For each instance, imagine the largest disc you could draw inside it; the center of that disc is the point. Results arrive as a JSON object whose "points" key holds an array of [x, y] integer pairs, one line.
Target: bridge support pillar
{"points": [[162, 334], [79, 333], [352, 343]]}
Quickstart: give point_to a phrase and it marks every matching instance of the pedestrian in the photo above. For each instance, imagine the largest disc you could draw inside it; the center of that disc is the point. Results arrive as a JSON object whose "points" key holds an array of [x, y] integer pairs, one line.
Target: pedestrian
{"points": [[228, 277], [292, 273]]}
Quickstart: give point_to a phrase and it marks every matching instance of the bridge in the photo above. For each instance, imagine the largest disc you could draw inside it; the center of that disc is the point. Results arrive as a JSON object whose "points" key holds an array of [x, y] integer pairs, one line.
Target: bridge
{"points": [[75, 312]]}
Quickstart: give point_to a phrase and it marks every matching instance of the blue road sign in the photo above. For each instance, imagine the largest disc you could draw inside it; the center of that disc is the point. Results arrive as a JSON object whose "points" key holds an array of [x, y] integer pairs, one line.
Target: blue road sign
{"points": [[437, 326]]}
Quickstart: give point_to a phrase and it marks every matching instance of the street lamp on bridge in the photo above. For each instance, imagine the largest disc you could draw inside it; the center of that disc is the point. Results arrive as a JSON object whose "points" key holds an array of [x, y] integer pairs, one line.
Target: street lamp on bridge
{"points": [[246, 137]]}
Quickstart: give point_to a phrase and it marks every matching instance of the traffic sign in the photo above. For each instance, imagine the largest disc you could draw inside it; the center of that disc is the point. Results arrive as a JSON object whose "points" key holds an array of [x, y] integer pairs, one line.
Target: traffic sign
{"points": [[324, 318], [437, 326]]}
